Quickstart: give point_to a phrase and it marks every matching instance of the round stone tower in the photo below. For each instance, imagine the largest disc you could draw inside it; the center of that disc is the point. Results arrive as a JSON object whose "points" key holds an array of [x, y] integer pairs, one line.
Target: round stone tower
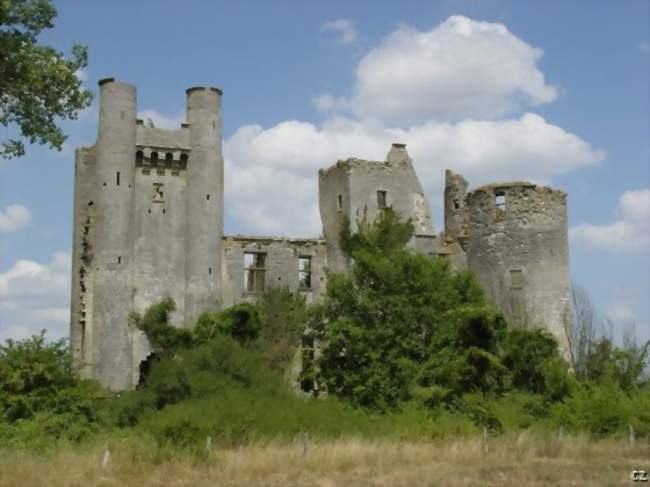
{"points": [[112, 259], [518, 249], [204, 203]]}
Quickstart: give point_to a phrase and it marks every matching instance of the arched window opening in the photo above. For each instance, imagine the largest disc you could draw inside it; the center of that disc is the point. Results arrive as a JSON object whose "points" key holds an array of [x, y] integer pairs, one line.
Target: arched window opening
{"points": [[154, 158], [169, 158], [139, 157]]}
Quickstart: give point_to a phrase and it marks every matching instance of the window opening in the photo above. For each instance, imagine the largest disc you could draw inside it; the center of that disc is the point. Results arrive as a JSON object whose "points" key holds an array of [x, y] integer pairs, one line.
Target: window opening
{"points": [[139, 157], [119, 259], [117, 178], [516, 279], [381, 199], [169, 158], [207, 196], [304, 272], [154, 158], [254, 271], [500, 200], [339, 202]]}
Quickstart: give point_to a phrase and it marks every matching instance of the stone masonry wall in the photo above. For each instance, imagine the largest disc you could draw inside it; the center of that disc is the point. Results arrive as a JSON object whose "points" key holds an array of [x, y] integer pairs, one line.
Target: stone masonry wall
{"points": [[518, 249]]}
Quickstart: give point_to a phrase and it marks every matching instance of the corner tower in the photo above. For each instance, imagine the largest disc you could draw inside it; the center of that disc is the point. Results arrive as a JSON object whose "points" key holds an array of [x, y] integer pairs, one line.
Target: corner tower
{"points": [[103, 242], [204, 217], [518, 248]]}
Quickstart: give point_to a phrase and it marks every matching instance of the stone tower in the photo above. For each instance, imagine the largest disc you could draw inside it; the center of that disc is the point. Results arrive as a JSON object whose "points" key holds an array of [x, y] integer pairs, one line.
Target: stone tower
{"points": [[357, 188], [518, 248], [148, 224]]}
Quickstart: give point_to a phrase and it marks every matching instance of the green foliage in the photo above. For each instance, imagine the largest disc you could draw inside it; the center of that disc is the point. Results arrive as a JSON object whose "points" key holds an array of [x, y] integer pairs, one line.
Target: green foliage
{"points": [[163, 338], [284, 315], [533, 358], [386, 235], [404, 327], [385, 326], [37, 83], [606, 361], [242, 322], [604, 408], [41, 397]]}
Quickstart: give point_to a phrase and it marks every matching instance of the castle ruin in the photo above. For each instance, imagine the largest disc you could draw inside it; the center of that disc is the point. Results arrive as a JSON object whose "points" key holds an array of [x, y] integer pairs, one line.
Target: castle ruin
{"points": [[148, 224]]}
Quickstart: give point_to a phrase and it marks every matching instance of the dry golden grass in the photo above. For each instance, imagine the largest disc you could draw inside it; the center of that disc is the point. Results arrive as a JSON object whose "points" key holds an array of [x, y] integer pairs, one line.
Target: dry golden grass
{"points": [[511, 460]]}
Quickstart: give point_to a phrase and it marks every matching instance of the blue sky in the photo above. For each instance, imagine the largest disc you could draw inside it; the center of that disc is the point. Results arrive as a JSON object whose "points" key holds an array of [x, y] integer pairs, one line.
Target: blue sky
{"points": [[555, 92]]}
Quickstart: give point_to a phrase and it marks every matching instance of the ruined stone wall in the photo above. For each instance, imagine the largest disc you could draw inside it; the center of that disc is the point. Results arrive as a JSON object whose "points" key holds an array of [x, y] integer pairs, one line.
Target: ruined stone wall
{"points": [[518, 249], [352, 188], [83, 243], [281, 266], [456, 218]]}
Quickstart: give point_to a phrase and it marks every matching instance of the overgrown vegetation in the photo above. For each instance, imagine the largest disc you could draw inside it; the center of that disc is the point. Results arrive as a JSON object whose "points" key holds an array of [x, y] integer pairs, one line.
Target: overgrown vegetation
{"points": [[407, 349]]}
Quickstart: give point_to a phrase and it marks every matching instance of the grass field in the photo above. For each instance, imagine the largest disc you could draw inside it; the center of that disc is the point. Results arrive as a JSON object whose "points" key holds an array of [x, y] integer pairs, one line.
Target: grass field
{"points": [[511, 460]]}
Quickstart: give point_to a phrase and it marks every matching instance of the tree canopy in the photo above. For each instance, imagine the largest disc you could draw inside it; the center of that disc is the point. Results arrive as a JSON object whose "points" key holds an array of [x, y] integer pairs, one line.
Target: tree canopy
{"points": [[38, 84]]}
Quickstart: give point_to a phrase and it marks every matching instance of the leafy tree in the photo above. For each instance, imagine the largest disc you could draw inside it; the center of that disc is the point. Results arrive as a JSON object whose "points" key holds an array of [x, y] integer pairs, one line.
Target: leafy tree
{"points": [[376, 323], [163, 338], [284, 315], [37, 83], [41, 396], [242, 322]]}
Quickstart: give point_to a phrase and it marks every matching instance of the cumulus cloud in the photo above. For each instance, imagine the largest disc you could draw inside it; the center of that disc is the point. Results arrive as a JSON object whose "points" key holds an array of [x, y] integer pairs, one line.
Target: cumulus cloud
{"points": [[162, 121], [14, 218], [328, 103], [628, 233], [460, 69], [344, 28], [34, 296], [292, 152], [81, 74]]}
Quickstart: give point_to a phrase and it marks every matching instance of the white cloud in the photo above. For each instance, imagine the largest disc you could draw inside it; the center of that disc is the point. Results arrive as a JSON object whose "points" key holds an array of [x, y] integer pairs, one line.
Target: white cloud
{"points": [[344, 27], [14, 218], [162, 121], [330, 104], [629, 233], [34, 296], [460, 69], [292, 152], [81, 74]]}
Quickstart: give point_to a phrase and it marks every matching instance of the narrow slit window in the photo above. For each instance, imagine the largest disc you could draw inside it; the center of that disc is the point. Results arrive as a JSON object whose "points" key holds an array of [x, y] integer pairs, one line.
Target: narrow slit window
{"points": [[381, 199], [117, 178], [207, 196], [254, 272], [339, 202], [500, 200], [119, 259], [304, 272], [209, 270]]}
